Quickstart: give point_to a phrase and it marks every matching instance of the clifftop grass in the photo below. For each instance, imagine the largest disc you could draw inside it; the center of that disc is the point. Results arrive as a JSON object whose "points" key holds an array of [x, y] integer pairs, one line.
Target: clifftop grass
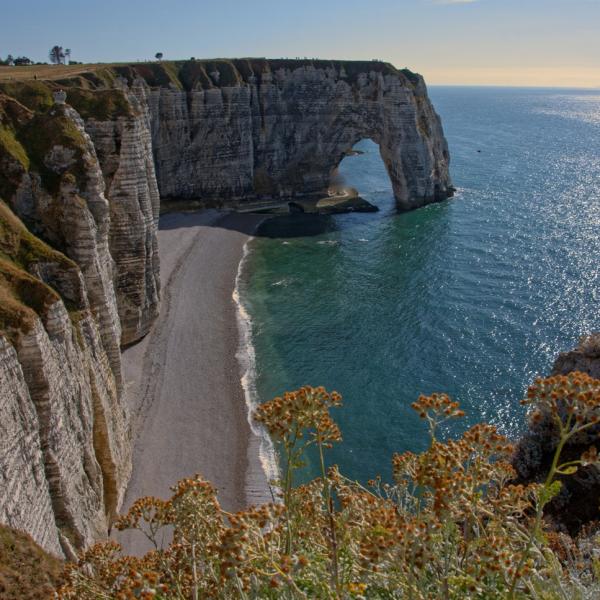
{"points": [[181, 74], [23, 297], [26, 571], [214, 73], [102, 105], [92, 96], [35, 95]]}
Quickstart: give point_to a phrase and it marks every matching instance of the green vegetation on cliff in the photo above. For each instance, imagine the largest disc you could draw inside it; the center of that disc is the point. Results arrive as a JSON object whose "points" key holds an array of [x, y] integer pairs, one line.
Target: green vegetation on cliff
{"points": [[42, 148], [26, 140], [13, 157], [35, 95], [182, 74], [12, 146], [44, 133], [23, 297], [26, 571], [21, 247], [37, 140], [31, 126], [207, 74], [102, 105]]}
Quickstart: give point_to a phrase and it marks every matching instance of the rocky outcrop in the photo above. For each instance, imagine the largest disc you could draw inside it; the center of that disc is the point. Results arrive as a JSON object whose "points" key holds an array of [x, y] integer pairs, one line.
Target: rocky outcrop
{"points": [[100, 154], [75, 215], [247, 129], [59, 318], [585, 358], [124, 148], [574, 506]]}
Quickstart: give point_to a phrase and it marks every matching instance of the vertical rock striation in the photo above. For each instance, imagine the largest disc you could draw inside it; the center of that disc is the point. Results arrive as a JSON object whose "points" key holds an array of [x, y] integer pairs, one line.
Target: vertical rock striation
{"points": [[26, 502], [124, 148], [246, 129]]}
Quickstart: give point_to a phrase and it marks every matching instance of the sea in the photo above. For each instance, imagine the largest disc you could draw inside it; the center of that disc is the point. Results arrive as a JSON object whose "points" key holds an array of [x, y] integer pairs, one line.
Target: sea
{"points": [[473, 297]]}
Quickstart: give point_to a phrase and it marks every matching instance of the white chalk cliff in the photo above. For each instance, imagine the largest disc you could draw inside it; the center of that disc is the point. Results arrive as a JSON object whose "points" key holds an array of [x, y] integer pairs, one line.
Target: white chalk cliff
{"points": [[80, 186]]}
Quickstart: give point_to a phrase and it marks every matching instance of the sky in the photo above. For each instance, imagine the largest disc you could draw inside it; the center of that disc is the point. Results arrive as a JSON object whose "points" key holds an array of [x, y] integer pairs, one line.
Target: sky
{"points": [[462, 42]]}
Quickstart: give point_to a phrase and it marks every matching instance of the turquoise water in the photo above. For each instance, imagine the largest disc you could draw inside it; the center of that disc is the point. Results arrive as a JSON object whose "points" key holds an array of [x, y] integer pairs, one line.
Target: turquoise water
{"points": [[472, 297]]}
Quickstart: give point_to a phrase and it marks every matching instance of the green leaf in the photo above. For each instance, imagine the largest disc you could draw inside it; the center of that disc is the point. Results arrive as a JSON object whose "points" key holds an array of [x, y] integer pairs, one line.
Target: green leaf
{"points": [[567, 470], [549, 492]]}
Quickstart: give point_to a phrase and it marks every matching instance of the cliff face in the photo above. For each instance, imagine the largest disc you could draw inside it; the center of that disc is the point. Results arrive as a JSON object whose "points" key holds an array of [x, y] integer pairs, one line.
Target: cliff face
{"points": [[124, 148], [249, 129], [79, 199], [60, 322], [64, 449]]}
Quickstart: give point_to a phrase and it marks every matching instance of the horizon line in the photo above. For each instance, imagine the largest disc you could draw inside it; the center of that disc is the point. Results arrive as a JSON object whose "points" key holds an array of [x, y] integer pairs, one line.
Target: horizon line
{"points": [[428, 82], [513, 86]]}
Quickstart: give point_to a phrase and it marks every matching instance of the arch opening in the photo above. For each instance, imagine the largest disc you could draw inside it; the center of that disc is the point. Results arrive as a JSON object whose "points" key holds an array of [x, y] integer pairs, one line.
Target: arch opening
{"points": [[361, 172]]}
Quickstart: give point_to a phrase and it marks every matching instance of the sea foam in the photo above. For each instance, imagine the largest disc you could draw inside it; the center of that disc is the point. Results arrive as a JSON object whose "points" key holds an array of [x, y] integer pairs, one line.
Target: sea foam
{"points": [[258, 487]]}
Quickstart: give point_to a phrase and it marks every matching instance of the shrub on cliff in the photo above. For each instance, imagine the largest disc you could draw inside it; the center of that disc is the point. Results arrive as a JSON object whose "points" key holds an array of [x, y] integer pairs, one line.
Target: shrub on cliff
{"points": [[454, 523]]}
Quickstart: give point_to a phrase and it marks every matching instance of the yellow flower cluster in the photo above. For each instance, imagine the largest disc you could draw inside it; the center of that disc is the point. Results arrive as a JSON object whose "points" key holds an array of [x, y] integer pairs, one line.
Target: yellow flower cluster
{"points": [[453, 524]]}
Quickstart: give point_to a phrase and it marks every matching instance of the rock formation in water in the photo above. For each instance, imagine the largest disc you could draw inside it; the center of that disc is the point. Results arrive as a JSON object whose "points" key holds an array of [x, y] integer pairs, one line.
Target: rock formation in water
{"points": [[576, 504], [79, 197], [248, 129], [584, 358]]}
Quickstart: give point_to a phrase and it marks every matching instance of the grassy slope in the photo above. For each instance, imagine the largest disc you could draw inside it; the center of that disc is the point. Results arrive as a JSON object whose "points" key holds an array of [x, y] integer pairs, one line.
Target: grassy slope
{"points": [[186, 74], [22, 296], [26, 571]]}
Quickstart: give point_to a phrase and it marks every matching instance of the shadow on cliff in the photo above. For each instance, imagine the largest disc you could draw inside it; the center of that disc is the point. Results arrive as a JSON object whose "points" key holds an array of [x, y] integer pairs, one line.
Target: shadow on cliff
{"points": [[269, 226], [280, 226]]}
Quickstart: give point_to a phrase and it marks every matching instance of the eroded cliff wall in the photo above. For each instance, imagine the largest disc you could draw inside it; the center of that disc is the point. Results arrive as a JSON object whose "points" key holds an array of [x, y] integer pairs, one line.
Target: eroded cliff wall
{"points": [[249, 129], [80, 186], [65, 312]]}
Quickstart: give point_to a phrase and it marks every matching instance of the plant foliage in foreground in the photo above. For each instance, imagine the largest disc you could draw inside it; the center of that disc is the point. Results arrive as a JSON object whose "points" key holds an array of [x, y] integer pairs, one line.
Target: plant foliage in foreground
{"points": [[453, 524]]}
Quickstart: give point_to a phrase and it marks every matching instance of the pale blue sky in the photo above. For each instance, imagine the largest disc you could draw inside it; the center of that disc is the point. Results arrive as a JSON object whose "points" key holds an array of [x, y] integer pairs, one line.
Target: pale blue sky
{"points": [[520, 42]]}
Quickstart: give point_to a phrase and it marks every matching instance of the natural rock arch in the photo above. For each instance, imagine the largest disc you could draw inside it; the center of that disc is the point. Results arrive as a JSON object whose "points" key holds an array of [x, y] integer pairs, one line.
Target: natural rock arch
{"points": [[278, 129], [417, 165]]}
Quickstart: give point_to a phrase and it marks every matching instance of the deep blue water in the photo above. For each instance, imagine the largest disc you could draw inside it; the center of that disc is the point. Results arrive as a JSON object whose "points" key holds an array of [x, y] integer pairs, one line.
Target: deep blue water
{"points": [[472, 297]]}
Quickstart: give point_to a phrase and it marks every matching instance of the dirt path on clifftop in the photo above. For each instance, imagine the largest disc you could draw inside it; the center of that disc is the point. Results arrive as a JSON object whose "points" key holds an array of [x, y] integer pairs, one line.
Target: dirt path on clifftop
{"points": [[183, 380]]}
